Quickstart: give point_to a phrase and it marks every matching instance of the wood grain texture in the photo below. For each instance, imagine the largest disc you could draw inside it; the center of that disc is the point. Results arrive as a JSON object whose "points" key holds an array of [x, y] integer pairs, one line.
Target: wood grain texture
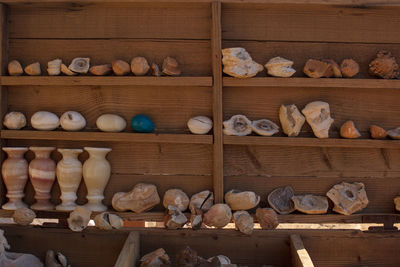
{"points": [[130, 252], [300, 256]]}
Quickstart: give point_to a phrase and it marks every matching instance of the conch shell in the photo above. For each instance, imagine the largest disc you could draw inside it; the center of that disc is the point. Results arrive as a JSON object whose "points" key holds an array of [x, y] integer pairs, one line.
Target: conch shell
{"points": [[394, 133], [15, 68], [66, 71], [349, 130], [267, 218], [218, 216], [239, 200], [311, 204], [141, 198], [79, 219], [291, 120], [24, 216], [264, 127], [244, 222], [318, 115], [280, 67], [120, 67], [54, 67], [14, 120], [139, 66], [108, 221], [238, 63], [101, 70], [80, 65], [157, 258], [280, 200], [349, 68], [348, 198], [33, 69], [377, 132], [384, 66], [170, 67], [238, 125], [177, 198]]}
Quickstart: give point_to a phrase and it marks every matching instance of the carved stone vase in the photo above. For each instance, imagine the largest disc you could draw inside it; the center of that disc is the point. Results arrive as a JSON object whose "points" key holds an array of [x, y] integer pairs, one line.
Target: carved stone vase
{"points": [[15, 175], [96, 173]]}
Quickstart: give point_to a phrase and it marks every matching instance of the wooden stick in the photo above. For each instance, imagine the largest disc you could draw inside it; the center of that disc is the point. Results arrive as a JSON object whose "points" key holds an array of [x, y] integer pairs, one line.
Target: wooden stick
{"points": [[300, 255], [130, 252]]}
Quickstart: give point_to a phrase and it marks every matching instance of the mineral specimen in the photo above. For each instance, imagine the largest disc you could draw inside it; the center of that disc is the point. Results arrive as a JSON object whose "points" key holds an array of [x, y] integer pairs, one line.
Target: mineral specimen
{"points": [[311, 204], [348, 198], [280, 200], [318, 116], [291, 120], [384, 66], [238, 63], [238, 125], [349, 130], [280, 67]]}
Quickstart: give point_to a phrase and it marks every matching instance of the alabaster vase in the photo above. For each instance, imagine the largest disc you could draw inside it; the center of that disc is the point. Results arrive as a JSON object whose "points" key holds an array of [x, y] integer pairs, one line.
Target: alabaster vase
{"points": [[69, 176], [15, 175], [42, 172], [96, 173]]}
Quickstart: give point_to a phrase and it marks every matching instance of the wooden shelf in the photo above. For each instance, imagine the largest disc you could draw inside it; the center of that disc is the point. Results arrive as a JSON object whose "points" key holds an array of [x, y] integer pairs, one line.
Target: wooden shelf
{"points": [[309, 82], [107, 137], [310, 142], [106, 81]]}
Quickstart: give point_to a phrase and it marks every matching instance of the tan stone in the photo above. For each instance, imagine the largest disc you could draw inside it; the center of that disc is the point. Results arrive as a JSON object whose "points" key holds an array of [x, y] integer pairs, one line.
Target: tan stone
{"points": [[280, 200], [120, 67], [157, 258], [348, 198], [101, 70], [311, 204], [384, 66], [349, 130], [170, 67], [141, 198], [396, 201], [203, 201], [349, 68], [33, 69], [54, 67], [377, 132], [218, 216], [78, 219], [267, 218], [24, 216], [175, 219], [315, 68], [291, 120], [15, 68], [155, 70], [318, 116], [65, 70], [394, 133], [177, 198], [264, 127], [139, 66], [280, 67], [80, 65], [238, 63], [244, 222], [241, 200], [238, 125]]}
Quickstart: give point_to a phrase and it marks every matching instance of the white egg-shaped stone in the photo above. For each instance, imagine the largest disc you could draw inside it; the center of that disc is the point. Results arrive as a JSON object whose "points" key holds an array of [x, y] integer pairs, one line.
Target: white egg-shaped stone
{"points": [[72, 121], [111, 123], [45, 121], [14, 120], [200, 125]]}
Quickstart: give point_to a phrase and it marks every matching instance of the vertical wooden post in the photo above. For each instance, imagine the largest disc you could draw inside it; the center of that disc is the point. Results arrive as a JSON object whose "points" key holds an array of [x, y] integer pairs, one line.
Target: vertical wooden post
{"points": [[218, 156]]}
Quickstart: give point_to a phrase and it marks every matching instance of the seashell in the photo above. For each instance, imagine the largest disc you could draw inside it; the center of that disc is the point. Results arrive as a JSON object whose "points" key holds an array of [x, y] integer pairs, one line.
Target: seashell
{"points": [[311, 204], [315, 68], [336, 72], [318, 116], [141, 198], [280, 200], [377, 132], [222, 259], [101, 70], [79, 219], [396, 201], [120, 67], [44, 121], [54, 67], [280, 67], [111, 123], [218, 216], [291, 120], [177, 198], [349, 68], [156, 258], [80, 65], [139, 66], [24, 216], [33, 69], [239, 200], [66, 71], [264, 127], [15, 68], [200, 125], [155, 70], [170, 67], [108, 221], [142, 124], [349, 130], [394, 133], [238, 125], [14, 120], [267, 218], [238, 63], [384, 66], [203, 201], [72, 121], [244, 222], [348, 198], [175, 219]]}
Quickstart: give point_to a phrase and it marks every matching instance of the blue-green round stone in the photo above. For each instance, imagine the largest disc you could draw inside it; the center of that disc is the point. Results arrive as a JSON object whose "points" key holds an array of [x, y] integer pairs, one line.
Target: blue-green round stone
{"points": [[142, 124]]}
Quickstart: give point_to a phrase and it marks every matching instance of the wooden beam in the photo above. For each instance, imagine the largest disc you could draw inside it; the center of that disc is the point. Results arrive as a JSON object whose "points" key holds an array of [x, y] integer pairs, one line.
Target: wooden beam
{"points": [[130, 251], [300, 255]]}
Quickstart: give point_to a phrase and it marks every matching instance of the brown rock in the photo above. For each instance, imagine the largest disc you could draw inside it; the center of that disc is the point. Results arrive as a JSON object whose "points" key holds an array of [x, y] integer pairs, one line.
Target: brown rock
{"points": [[101, 70], [348, 198], [175, 218], [33, 69], [317, 69], [24, 216], [155, 70], [396, 201], [157, 258], [349, 130], [377, 132], [349, 68], [244, 222], [394, 133], [65, 70], [15, 68], [203, 201], [267, 218], [196, 219], [171, 67], [141, 198], [218, 216], [281, 200], [177, 198], [384, 66], [311, 204], [239, 200], [80, 65], [187, 258], [336, 72], [78, 219], [120, 67], [139, 66]]}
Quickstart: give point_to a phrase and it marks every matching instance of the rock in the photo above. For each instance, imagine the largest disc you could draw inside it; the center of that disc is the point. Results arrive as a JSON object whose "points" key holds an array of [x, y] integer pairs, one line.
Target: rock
{"points": [[280, 67], [24, 216], [175, 219], [317, 69], [187, 258], [155, 70], [238, 63], [54, 67], [377, 132], [111, 123], [264, 127], [80, 65], [222, 259], [311, 204], [218, 216], [348, 198], [170, 67], [244, 222], [394, 133], [120, 67], [239, 200], [200, 125], [14, 120], [142, 124], [318, 116], [384, 66], [349, 130], [396, 201], [72, 121], [196, 219], [336, 72], [101, 70], [45, 121], [203, 201], [141, 198], [267, 218], [349, 68], [33, 69], [108, 221], [55, 260], [67, 71], [157, 258], [291, 120], [280, 200], [177, 198], [15, 68], [238, 125], [78, 219], [139, 66]]}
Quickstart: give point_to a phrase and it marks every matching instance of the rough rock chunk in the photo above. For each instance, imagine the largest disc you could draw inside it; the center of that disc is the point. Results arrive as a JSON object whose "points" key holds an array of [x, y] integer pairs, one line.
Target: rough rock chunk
{"points": [[315, 68], [396, 201], [349, 130], [238, 125], [141, 198], [33, 69], [139, 66], [349, 68], [177, 198], [101, 70], [80, 65], [108, 221], [348, 198], [170, 67], [281, 200], [238, 63], [15, 68], [384, 66], [394, 133], [239, 200], [267, 218], [264, 127], [24, 216], [157, 258], [311, 204], [291, 119], [78, 219], [203, 201], [244, 222], [54, 67], [175, 218], [280, 67], [318, 116], [218, 216], [377, 132]]}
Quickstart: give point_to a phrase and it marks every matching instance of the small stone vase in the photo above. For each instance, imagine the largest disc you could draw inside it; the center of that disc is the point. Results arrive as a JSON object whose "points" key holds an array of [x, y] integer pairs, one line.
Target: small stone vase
{"points": [[69, 176], [42, 172], [15, 175], [96, 173]]}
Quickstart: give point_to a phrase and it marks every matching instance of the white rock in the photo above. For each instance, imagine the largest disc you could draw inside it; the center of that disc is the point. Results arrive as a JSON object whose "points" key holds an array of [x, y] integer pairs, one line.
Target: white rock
{"points": [[45, 121], [200, 125], [318, 115], [280, 67], [111, 123], [238, 125], [238, 63], [72, 121], [14, 120], [291, 120], [54, 67]]}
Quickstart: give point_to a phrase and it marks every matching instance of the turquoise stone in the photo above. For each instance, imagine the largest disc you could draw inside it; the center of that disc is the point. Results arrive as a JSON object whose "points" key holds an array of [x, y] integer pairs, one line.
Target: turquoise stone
{"points": [[142, 124]]}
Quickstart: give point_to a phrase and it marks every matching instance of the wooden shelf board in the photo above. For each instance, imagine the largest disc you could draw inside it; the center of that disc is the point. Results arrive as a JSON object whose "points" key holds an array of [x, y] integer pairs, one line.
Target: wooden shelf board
{"points": [[106, 81], [309, 82], [107, 137], [310, 142]]}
